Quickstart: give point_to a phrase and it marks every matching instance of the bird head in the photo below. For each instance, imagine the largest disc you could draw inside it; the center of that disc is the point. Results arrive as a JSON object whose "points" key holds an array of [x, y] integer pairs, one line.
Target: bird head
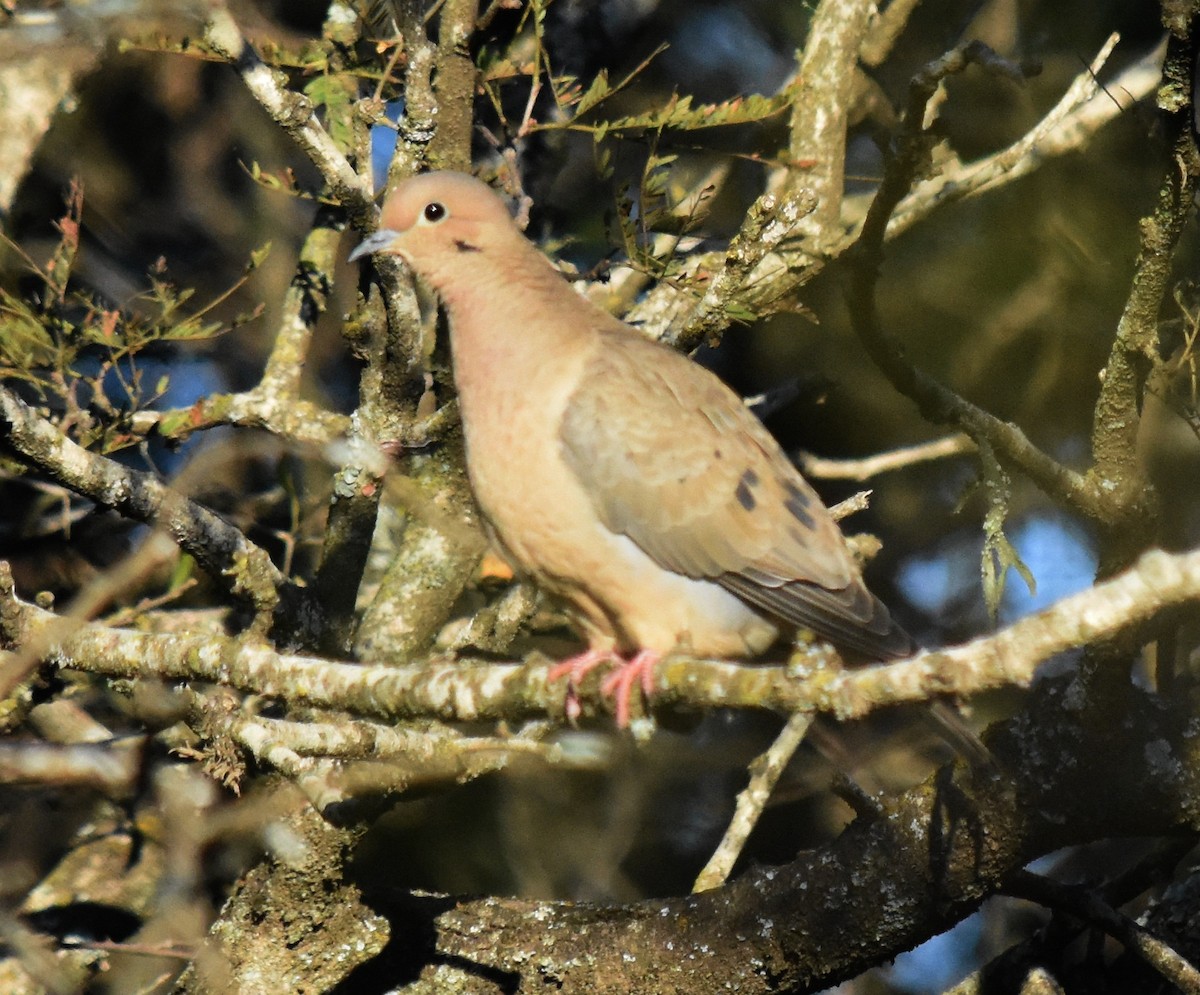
{"points": [[433, 220]]}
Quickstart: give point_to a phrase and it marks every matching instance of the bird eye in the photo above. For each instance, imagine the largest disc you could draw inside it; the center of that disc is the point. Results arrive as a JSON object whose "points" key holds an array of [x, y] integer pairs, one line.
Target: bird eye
{"points": [[434, 212]]}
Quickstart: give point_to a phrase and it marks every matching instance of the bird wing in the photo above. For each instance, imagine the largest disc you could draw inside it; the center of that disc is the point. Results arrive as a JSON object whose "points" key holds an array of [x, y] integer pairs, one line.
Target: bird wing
{"points": [[673, 459]]}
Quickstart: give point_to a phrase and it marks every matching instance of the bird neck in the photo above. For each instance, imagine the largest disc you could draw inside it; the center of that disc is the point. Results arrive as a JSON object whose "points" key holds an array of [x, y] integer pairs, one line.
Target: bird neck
{"points": [[515, 319]]}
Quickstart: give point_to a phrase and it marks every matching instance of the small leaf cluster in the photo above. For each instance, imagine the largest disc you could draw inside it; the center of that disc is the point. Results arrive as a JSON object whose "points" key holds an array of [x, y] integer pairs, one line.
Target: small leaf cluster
{"points": [[82, 357]]}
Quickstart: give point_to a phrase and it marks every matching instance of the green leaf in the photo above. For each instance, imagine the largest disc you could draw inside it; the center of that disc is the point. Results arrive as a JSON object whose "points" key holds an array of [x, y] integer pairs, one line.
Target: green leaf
{"points": [[740, 312], [679, 114], [337, 93], [603, 158], [58, 269], [25, 341], [259, 256], [595, 93], [185, 568]]}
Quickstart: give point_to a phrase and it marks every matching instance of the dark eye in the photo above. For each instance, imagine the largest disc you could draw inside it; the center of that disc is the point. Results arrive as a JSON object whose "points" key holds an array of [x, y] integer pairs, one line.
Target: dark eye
{"points": [[434, 212]]}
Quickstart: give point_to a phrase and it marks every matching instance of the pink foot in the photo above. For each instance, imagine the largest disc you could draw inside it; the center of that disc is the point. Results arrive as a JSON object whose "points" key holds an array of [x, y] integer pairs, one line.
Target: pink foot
{"points": [[578, 666], [574, 669], [619, 684]]}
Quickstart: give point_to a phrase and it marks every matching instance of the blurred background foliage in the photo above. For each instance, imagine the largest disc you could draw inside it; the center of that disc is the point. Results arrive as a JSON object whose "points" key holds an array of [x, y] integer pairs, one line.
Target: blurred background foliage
{"points": [[1011, 298]]}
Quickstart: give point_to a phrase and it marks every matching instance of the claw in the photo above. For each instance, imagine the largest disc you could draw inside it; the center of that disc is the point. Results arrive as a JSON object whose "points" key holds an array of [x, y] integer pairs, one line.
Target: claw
{"points": [[619, 684], [574, 669]]}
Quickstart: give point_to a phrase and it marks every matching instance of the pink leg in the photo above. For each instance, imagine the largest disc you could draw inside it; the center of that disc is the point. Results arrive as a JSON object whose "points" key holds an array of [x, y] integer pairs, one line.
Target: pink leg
{"points": [[619, 684], [574, 669], [578, 666]]}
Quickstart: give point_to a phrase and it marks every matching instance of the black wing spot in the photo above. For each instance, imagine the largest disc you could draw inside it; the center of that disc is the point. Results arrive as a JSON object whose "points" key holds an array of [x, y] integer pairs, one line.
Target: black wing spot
{"points": [[798, 504], [743, 491], [800, 538], [796, 494]]}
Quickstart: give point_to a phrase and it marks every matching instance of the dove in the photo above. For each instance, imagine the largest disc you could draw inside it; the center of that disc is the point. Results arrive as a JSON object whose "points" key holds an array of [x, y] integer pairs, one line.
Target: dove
{"points": [[615, 472]]}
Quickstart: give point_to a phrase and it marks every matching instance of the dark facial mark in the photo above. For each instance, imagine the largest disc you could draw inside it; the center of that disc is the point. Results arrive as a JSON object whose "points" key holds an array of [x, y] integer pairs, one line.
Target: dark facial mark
{"points": [[465, 246]]}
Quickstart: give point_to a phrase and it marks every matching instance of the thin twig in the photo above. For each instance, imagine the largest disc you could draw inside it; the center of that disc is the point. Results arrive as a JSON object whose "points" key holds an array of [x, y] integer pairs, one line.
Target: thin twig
{"points": [[897, 459], [1082, 111], [765, 771], [295, 114], [244, 568], [128, 573], [937, 402], [1088, 906]]}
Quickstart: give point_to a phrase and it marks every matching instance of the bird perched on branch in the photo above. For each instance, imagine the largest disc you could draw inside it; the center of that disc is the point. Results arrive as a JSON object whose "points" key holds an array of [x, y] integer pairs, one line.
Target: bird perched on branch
{"points": [[615, 472]]}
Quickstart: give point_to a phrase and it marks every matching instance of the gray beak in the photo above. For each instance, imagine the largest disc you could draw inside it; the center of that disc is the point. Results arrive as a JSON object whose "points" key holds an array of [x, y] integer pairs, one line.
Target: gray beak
{"points": [[374, 243]]}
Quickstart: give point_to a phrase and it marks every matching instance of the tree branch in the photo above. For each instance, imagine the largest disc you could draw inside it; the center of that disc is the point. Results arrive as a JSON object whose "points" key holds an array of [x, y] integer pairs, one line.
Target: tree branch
{"points": [[243, 568], [294, 113], [925, 862], [472, 690], [938, 403], [827, 75], [1135, 352], [765, 771]]}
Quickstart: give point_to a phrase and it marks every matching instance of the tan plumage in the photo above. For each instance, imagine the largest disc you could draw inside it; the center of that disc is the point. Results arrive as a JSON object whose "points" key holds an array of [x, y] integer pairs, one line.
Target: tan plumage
{"points": [[614, 471]]}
